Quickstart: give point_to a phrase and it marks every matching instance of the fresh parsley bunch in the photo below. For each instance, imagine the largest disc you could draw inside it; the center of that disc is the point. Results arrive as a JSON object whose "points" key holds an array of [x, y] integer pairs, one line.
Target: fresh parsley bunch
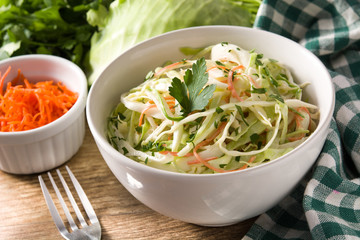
{"points": [[46, 27]]}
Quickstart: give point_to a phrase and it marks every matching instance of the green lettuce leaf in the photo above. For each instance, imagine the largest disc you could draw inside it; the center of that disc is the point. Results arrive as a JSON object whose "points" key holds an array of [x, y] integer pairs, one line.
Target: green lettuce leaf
{"points": [[128, 22]]}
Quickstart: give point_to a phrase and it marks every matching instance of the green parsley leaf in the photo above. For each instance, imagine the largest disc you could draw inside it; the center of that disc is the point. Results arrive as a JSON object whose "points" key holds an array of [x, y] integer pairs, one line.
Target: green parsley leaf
{"points": [[277, 97], [254, 138], [224, 118], [121, 116], [222, 165], [179, 91], [147, 147], [273, 81], [191, 137], [138, 129], [241, 114], [258, 90], [258, 60], [125, 150], [296, 112], [219, 63], [219, 110], [191, 93]]}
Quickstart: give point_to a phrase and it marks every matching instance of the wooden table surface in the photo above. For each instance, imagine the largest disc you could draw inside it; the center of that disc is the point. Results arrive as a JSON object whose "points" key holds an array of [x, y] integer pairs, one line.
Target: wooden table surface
{"points": [[24, 214]]}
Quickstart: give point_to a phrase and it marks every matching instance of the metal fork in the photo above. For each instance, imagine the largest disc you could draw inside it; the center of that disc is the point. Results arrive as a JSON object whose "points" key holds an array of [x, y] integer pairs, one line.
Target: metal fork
{"points": [[86, 231]]}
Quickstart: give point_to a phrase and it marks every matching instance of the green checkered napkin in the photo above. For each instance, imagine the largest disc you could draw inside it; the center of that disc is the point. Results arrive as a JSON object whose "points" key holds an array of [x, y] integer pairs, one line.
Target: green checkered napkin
{"points": [[326, 204]]}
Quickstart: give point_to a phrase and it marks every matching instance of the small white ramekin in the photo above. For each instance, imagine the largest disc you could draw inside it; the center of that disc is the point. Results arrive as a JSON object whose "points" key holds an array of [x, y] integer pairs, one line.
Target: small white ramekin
{"points": [[49, 146]]}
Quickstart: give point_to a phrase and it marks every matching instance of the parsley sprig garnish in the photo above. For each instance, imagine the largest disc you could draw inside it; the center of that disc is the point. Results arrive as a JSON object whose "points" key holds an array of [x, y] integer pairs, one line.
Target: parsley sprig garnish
{"points": [[191, 93]]}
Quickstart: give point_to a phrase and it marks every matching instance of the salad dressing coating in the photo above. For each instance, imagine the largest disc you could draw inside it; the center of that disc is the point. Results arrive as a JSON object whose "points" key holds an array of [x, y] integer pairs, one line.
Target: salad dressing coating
{"points": [[226, 110]]}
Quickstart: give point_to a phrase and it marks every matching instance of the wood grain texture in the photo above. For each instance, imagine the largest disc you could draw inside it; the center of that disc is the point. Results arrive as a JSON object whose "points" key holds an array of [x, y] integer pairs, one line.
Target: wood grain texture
{"points": [[24, 214]]}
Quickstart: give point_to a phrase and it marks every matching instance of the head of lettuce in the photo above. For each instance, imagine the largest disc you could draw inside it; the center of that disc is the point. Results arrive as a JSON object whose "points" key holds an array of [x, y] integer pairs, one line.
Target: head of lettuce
{"points": [[128, 22]]}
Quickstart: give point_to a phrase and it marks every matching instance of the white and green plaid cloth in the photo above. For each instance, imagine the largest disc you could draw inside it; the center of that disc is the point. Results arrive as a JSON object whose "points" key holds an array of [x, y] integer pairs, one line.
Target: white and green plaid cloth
{"points": [[326, 204]]}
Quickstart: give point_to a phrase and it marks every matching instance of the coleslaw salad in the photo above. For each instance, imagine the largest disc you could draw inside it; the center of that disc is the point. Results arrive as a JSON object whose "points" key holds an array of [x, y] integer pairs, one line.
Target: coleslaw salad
{"points": [[226, 109]]}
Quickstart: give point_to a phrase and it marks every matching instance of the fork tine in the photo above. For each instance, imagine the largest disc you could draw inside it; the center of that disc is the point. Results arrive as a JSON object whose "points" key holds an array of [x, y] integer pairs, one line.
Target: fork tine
{"points": [[72, 200], [53, 210], [63, 204], [84, 200]]}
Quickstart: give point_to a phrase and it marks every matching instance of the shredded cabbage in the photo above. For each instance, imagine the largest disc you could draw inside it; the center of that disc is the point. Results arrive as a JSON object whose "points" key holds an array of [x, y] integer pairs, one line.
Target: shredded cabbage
{"points": [[255, 115]]}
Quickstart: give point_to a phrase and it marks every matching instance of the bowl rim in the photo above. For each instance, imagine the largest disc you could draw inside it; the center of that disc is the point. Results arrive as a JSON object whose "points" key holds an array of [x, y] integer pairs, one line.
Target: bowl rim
{"points": [[60, 123], [131, 164]]}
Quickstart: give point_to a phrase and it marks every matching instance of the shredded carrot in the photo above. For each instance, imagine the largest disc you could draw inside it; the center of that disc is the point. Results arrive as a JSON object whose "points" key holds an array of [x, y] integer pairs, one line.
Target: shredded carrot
{"points": [[204, 143], [237, 68], [29, 105], [231, 86], [170, 136], [168, 98], [175, 154], [169, 67], [250, 161], [2, 79], [293, 139], [298, 120], [252, 81], [143, 113], [217, 67], [197, 161]]}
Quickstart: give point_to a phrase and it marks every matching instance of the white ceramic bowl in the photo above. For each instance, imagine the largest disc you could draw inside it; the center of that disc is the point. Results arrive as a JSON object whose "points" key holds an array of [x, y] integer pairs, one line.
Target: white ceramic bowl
{"points": [[46, 147], [220, 199]]}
